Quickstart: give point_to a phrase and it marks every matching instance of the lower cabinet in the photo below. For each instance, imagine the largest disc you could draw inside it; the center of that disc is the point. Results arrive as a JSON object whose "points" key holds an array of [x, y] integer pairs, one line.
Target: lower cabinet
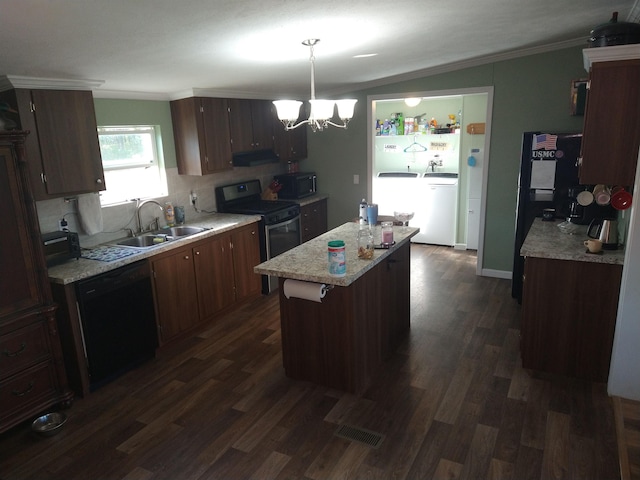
{"points": [[569, 313], [195, 283], [32, 376], [313, 219]]}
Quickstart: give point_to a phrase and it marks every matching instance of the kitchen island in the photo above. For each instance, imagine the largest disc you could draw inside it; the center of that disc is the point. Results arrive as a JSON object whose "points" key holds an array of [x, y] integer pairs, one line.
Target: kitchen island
{"points": [[569, 303], [341, 340]]}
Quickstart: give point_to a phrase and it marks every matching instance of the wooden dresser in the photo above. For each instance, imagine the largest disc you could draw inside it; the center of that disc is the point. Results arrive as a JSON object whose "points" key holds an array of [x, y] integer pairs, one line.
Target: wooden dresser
{"points": [[32, 375]]}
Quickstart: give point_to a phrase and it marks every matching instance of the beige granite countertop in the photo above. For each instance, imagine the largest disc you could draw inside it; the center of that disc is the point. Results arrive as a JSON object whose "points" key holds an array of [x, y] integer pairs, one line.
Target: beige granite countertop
{"points": [[309, 261], [545, 240], [74, 270]]}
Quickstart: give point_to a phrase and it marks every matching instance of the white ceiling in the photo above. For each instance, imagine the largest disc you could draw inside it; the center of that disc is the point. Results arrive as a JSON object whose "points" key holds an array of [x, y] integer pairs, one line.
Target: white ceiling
{"points": [[252, 48]]}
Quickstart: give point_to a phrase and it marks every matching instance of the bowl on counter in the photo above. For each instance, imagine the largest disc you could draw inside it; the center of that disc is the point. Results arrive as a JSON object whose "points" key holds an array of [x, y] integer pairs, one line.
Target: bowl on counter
{"points": [[49, 425]]}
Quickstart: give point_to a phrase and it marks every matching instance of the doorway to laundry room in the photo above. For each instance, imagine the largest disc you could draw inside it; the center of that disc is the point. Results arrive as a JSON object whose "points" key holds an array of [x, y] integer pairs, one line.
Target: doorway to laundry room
{"points": [[428, 158]]}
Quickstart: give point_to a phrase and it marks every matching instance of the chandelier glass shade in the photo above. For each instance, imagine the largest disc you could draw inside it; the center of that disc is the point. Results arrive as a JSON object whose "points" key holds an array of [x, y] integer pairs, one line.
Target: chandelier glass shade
{"points": [[322, 111]]}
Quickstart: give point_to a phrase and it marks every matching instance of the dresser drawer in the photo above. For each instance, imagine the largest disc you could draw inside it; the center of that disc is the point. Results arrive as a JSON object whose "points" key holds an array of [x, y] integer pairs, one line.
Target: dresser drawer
{"points": [[23, 347], [24, 391]]}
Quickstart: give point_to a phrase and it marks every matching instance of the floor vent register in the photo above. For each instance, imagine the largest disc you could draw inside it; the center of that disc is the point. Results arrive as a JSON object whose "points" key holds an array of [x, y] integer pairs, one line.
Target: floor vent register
{"points": [[360, 435]]}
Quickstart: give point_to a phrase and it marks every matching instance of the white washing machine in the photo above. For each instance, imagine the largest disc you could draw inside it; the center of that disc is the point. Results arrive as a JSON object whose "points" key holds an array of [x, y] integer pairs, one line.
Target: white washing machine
{"points": [[437, 211]]}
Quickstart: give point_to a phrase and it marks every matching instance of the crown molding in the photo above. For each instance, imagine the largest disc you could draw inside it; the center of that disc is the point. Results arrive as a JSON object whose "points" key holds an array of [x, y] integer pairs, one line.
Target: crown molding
{"points": [[131, 95], [7, 82], [610, 54]]}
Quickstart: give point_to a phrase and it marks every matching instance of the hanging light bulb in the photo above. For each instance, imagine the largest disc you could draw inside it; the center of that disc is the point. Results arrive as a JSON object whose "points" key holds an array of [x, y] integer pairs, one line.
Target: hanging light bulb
{"points": [[322, 111]]}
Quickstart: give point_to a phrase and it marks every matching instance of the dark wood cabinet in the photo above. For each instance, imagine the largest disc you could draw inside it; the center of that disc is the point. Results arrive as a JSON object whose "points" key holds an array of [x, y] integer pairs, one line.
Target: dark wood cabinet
{"points": [[568, 316], [246, 255], [313, 219], [290, 145], [201, 135], [63, 149], [611, 135], [32, 375], [251, 124], [175, 293], [213, 262], [192, 285]]}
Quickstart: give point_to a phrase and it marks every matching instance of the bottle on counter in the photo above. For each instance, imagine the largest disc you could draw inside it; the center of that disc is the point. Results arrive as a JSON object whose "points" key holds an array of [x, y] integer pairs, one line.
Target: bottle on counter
{"points": [[169, 214], [363, 212]]}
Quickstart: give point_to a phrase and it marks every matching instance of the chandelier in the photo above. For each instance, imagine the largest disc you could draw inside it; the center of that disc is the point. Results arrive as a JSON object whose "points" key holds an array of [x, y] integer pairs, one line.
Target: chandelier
{"points": [[322, 111]]}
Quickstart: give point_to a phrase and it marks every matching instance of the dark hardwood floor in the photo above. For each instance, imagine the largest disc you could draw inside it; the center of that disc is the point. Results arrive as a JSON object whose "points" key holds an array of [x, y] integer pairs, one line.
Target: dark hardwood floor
{"points": [[453, 402]]}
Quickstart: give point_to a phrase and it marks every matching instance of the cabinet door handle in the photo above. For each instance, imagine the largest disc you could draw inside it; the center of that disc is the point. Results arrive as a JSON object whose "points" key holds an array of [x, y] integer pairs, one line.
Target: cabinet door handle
{"points": [[186, 257], [7, 353], [24, 392], [99, 181], [197, 252]]}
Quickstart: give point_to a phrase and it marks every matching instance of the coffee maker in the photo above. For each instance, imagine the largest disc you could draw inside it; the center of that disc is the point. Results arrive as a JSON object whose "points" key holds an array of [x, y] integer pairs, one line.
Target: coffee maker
{"points": [[576, 212]]}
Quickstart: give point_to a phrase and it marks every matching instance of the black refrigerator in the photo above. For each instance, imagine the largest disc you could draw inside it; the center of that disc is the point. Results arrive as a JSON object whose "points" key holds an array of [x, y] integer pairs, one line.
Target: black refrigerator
{"points": [[548, 179]]}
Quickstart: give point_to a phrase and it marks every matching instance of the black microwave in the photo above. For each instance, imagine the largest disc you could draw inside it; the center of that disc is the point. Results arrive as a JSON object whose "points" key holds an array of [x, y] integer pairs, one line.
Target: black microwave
{"points": [[60, 246], [297, 185]]}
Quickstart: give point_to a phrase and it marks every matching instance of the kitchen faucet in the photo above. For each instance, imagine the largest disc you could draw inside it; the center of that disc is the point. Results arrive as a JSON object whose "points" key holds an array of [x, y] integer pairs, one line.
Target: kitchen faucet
{"points": [[139, 207]]}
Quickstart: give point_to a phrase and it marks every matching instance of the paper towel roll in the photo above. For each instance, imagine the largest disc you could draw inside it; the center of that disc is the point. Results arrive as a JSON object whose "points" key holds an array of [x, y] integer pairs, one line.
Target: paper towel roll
{"points": [[305, 290]]}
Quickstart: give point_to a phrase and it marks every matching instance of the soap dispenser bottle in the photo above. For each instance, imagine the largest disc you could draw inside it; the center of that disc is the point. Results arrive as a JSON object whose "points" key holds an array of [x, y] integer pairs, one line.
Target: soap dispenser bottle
{"points": [[169, 214], [363, 212]]}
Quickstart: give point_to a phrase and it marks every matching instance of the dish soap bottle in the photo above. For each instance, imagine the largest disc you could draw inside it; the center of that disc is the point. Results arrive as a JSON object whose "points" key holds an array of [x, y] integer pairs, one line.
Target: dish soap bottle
{"points": [[363, 212], [169, 214]]}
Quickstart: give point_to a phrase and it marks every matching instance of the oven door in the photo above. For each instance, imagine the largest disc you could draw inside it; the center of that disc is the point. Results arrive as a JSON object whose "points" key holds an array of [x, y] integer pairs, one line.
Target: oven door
{"points": [[281, 237]]}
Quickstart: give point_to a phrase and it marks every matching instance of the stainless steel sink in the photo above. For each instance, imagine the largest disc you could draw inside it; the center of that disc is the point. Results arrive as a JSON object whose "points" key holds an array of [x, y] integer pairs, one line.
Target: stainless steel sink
{"points": [[157, 238], [144, 241], [181, 231]]}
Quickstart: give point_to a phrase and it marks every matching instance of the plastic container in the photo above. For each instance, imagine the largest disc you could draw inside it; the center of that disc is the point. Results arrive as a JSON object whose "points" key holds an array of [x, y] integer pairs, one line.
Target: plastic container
{"points": [[179, 215], [337, 258]]}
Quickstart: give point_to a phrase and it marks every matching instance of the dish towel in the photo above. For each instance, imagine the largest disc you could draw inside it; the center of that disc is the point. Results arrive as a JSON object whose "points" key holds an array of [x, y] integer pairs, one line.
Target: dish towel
{"points": [[90, 213]]}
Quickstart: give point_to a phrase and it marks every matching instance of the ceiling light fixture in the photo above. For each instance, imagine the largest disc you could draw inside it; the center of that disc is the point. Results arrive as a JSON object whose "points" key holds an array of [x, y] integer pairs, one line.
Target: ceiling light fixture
{"points": [[412, 101], [322, 111]]}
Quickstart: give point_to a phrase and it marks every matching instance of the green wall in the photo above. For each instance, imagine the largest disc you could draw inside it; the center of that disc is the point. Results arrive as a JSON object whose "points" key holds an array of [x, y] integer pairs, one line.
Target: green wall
{"points": [[140, 112], [530, 93]]}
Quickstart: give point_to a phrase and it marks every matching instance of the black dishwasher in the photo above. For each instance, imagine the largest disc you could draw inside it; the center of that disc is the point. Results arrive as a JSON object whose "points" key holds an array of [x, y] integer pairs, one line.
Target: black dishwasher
{"points": [[118, 321]]}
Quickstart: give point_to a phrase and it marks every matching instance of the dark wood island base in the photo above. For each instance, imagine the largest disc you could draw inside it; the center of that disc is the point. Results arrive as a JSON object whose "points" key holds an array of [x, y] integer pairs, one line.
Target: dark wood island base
{"points": [[341, 342]]}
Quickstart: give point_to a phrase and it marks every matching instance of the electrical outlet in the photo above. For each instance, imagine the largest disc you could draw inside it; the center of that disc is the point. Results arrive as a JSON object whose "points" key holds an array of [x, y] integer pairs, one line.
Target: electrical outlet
{"points": [[193, 197], [63, 226], [356, 179]]}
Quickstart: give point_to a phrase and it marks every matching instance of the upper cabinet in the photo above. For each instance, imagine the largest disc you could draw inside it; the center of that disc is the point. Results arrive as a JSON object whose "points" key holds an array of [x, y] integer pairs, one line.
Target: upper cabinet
{"points": [[291, 145], [611, 134], [201, 132], [252, 124], [64, 139]]}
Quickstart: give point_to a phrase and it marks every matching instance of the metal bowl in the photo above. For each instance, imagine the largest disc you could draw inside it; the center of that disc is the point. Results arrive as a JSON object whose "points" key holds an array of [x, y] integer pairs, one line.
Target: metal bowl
{"points": [[49, 424]]}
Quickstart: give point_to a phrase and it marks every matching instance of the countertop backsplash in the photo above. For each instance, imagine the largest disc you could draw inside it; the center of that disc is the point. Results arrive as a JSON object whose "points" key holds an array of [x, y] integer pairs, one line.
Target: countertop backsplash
{"points": [[117, 218]]}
